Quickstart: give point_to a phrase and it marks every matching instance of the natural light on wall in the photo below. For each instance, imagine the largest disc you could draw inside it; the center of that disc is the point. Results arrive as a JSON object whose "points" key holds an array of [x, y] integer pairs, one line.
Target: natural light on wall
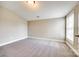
{"points": [[70, 27]]}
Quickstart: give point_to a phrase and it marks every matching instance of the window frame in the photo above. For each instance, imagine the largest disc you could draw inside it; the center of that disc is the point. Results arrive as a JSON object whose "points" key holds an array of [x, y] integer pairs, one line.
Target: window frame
{"points": [[69, 40]]}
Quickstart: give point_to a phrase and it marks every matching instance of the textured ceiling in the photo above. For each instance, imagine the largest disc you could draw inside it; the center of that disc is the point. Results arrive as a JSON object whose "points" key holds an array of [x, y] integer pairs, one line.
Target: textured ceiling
{"points": [[47, 9]]}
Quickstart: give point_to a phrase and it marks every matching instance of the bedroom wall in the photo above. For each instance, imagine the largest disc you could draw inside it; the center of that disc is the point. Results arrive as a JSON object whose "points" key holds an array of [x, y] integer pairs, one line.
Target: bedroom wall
{"points": [[53, 29], [12, 26]]}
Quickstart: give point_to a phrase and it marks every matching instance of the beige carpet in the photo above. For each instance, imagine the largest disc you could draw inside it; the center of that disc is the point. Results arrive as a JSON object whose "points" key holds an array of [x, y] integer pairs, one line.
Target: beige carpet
{"points": [[36, 48]]}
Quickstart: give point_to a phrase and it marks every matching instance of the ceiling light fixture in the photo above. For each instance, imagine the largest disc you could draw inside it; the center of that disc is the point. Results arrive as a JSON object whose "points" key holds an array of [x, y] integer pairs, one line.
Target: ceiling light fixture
{"points": [[32, 4]]}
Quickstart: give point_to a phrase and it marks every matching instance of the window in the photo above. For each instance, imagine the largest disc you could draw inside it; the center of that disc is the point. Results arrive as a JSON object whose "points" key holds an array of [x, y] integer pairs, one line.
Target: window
{"points": [[70, 27]]}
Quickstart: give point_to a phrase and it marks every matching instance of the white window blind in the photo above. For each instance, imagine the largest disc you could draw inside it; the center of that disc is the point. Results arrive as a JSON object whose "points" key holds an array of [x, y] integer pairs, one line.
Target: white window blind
{"points": [[70, 27]]}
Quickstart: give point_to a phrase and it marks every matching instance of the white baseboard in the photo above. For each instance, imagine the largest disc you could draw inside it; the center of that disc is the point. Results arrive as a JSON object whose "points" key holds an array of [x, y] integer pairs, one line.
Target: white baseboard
{"points": [[74, 50], [45, 39], [9, 42]]}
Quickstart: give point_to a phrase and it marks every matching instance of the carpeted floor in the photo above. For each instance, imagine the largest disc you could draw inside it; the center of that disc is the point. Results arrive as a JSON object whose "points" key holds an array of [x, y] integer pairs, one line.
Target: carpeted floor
{"points": [[36, 48]]}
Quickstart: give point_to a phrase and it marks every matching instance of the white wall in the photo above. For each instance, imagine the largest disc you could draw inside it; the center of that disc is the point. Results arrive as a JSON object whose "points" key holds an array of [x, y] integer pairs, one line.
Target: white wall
{"points": [[51, 29], [12, 27]]}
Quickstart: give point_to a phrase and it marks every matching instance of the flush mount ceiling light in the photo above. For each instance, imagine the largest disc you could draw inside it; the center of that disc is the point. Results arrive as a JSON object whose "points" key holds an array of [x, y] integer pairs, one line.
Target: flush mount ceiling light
{"points": [[32, 4]]}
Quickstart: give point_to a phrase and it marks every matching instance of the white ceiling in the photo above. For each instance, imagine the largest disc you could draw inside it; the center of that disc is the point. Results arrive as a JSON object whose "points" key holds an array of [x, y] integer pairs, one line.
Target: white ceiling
{"points": [[47, 9]]}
